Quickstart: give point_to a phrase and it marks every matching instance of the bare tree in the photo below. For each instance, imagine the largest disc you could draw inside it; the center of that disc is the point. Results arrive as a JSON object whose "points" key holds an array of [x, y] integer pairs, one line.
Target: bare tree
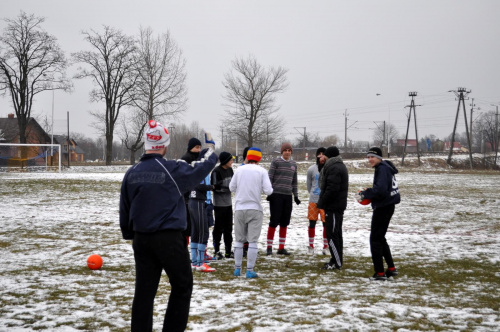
{"points": [[132, 131], [384, 133], [160, 90], [110, 65], [486, 128], [330, 140], [31, 62], [251, 110]]}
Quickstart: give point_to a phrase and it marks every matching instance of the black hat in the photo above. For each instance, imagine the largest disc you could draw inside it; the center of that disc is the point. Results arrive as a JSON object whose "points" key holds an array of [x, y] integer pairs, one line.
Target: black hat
{"points": [[320, 150], [245, 151], [332, 151], [193, 141], [374, 152], [225, 157]]}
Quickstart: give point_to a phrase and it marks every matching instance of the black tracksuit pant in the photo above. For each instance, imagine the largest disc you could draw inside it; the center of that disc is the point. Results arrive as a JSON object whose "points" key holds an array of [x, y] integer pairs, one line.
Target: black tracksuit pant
{"points": [[223, 226], [378, 244], [333, 224], [154, 252]]}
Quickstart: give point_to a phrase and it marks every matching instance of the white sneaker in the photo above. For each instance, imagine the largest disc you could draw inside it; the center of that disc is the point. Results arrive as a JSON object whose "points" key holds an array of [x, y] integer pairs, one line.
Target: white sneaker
{"points": [[310, 251], [326, 251], [205, 268]]}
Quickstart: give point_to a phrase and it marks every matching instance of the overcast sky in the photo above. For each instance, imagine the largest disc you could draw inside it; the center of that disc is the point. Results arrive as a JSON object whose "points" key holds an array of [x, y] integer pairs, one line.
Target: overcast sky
{"points": [[340, 55]]}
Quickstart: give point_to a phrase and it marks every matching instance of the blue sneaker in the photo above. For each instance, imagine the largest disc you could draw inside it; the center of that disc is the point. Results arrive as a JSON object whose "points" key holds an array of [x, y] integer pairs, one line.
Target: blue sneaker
{"points": [[252, 274], [237, 272]]}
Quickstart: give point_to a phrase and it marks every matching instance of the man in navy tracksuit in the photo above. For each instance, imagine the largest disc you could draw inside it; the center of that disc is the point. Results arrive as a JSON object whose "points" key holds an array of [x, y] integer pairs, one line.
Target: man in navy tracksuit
{"points": [[153, 215], [384, 196]]}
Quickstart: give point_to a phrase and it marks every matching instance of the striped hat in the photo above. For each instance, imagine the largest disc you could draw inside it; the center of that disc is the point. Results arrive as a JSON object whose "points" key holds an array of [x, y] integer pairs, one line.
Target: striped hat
{"points": [[156, 136], [254, 154]]}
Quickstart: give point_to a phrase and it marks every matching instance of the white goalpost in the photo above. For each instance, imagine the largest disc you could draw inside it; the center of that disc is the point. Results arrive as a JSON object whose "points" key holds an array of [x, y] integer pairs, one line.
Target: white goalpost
{"points": [[31, 154]]}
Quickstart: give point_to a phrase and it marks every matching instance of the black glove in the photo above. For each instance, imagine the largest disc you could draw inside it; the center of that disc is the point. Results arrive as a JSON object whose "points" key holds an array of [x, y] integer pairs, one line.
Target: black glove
{"points": [[297, 200], [268, 198]]}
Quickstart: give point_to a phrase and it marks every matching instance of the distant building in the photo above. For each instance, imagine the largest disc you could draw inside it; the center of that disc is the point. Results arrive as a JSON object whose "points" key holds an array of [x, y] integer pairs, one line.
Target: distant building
{"points": [[411, 145], [457, 147], [35, 134]]}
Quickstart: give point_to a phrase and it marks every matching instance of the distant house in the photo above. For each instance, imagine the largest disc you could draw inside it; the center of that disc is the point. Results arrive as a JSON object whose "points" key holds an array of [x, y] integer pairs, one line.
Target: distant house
{"points": [[35, 134], [411, 145], [457, 147], [12, 155], [76, 153]]}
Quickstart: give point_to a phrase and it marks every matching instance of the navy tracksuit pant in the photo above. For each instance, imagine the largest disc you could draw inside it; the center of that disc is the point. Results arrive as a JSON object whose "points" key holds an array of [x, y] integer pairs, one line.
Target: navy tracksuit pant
{"points": [[378, 244]]}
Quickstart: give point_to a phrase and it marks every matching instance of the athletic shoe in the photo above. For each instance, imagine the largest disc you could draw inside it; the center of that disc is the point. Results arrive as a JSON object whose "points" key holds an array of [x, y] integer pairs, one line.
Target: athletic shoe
{"points": [[269, 251], [237, 272], [205, 268], [330, 266], [392, 273], [209, 258], [230, 255], [219, 255], [310, 250], [326, 251], [379, 277], [251, 274], [283, 252]]}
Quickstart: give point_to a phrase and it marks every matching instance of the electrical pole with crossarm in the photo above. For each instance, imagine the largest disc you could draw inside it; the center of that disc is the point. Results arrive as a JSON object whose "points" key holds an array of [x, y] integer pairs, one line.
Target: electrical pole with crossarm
{"points": [[461, 93]]}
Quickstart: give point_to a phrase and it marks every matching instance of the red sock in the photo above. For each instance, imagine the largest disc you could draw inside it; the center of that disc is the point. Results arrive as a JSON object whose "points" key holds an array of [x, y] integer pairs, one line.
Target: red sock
{"points": [[270, 236], [391, 268], [312, 233], [380, 273], [282, 237], [187, 240]]}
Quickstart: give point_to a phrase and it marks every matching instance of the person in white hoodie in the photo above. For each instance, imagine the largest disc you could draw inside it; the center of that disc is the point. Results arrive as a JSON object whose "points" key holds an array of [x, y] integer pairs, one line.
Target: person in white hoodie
{"points": [[248, 183]]}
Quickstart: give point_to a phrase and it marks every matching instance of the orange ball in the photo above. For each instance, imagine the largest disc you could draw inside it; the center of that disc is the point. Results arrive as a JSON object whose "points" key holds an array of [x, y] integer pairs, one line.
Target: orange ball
{"points": [[365, 201], [94, 262]]}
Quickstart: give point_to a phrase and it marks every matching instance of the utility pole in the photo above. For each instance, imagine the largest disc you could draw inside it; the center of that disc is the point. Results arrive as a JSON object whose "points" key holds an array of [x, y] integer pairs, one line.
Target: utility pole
{"points": [[346, 127], [345, 138], [69, 153], [412, 106], [496, 136], [471, 112], [461, 93], [304, 140]]}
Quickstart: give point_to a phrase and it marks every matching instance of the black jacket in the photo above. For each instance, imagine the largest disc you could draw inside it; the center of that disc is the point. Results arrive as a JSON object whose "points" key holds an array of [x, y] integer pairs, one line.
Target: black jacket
{"points": [[189, 157], [334, 184], [151, 194], [385, 189]]}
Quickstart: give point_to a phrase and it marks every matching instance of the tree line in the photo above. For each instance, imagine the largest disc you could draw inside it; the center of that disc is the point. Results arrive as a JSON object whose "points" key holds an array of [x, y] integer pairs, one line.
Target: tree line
{"points": [[143, 77], [135, 79]]}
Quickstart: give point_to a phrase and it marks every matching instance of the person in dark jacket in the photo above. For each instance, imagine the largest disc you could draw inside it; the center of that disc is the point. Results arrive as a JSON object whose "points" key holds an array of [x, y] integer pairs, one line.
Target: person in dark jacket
{"points": [[199, 224], [153, 215], [223, 206], [192, 154], [334, 184], [384, 196]]}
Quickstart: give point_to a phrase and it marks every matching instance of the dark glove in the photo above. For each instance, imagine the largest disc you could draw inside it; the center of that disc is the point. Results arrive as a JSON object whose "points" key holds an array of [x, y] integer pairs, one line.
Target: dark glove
{"points": [[360, 196], [218, 186], [268, 198], [297, 200]]}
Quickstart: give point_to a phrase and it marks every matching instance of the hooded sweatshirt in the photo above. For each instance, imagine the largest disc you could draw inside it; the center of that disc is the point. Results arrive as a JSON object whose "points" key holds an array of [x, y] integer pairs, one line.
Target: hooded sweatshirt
{"points": [[385, 189]]}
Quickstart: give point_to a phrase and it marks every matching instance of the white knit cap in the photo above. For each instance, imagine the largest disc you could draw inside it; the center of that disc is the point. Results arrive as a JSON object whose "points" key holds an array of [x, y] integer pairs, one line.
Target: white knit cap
{"points": [[156, 136]]}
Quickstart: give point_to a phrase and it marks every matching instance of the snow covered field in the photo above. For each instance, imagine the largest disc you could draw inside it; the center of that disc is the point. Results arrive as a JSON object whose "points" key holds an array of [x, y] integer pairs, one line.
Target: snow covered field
{"points": [[445, 237]]}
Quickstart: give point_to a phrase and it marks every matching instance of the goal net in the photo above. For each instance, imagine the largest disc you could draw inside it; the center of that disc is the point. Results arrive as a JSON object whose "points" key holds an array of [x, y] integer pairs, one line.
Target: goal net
{"points": [[30, 157]]}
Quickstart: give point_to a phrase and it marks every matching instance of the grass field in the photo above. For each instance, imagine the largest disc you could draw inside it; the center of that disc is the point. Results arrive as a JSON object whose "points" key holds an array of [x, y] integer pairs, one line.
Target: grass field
{"points": [[445, 237]]}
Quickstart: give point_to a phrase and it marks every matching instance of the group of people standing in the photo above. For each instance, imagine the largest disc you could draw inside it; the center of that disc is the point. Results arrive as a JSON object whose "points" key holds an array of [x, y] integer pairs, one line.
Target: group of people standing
{"points": [[164, 208]]}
